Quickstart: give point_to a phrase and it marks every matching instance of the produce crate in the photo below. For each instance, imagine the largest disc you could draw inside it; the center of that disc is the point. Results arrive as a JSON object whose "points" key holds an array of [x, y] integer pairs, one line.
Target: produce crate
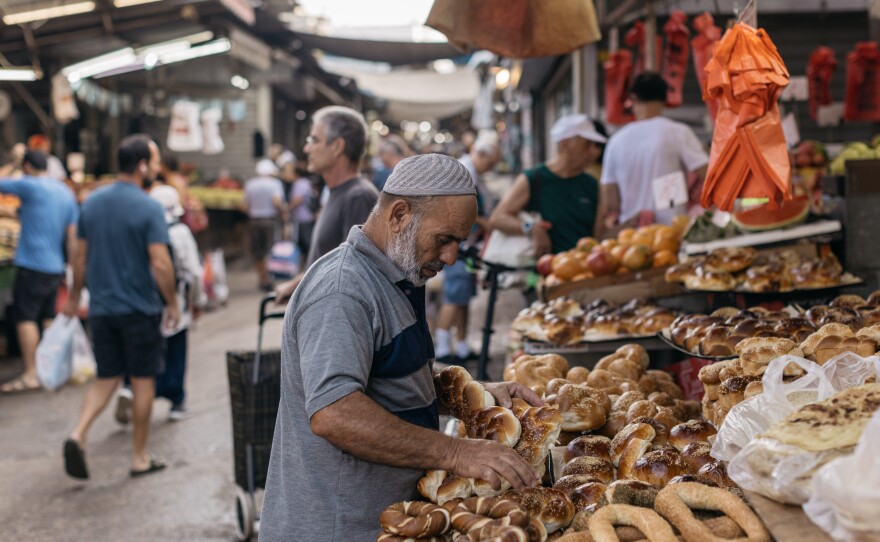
{"points": [[615, 288]]}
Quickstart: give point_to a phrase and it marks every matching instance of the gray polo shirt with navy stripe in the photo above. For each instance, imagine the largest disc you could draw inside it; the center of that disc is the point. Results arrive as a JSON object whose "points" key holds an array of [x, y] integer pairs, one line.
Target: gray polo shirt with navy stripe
{"points": [[353, 325]]}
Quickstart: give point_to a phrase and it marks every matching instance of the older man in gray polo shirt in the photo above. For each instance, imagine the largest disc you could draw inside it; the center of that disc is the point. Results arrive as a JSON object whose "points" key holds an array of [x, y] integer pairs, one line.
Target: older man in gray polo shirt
{"points": [[358, 419]]}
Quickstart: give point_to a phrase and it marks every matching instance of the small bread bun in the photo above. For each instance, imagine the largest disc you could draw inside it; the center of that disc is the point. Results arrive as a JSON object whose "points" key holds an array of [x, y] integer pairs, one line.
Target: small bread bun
{"points": [[589, 494], [577, 375], [658, 467], [809, 345], [711, 374], [725, 312], [639, 409], [632, 492], [589, 445], [635, 353], [625, 368], [596, 467], [667, 417], [693, 431], [753, 388], [696, 454], [641, 431], [626, 400], [717, 472], [614, 423], [732, 391], [756, 353], [661, 430], [848, 301], [566, 484]]}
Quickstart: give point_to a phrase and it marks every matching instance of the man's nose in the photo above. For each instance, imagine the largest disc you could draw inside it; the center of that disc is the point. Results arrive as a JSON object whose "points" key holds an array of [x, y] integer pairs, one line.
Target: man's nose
{"points": [[449, 254]]}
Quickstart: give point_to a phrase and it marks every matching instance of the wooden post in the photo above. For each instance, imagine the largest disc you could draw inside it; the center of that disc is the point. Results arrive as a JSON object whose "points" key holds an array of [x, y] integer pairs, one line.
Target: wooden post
{"points": [[650, 37]]}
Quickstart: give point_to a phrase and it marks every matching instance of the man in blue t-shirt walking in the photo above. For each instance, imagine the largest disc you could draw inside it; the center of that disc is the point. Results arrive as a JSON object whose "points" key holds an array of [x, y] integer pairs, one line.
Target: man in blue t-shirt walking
{"points": [[124, 259], [48, 217]]}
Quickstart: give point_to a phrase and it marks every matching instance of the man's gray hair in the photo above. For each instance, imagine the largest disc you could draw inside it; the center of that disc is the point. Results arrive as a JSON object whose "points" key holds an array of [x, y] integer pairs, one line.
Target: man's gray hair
{"points": [[346, 124]]}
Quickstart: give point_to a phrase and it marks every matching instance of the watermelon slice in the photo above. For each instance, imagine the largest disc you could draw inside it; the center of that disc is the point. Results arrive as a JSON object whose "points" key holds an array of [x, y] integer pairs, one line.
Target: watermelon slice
{"points": [[761, 218]]}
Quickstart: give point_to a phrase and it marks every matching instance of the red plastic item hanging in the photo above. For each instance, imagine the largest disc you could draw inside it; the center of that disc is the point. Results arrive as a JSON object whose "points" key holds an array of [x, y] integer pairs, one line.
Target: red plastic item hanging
{"points": [[820, 68], [749, 157], [708, 34], [618, 79], [675, 56], [635, 37], [863, 83]]}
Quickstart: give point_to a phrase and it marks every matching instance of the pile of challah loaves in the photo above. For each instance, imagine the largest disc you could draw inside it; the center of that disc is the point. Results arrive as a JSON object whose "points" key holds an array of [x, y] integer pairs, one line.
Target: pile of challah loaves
{"points": [[730, 382]]}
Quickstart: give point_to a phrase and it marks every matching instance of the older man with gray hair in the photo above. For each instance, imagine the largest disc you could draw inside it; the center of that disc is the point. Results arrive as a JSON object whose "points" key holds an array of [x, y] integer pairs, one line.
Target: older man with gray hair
{"points": [[335, 146], [358, 420]]}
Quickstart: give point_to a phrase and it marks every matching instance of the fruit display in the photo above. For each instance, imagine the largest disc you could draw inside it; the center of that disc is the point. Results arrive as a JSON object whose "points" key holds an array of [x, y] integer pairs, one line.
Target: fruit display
{"points": [[857, 150], [563, 321], [720, 334], [632, 250], [218, 198], [762, 217], [742, 269], [10, 229]]}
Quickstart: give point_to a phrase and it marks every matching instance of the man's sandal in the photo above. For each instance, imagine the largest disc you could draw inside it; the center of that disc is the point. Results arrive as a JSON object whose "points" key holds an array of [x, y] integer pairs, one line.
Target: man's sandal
{"points": [[18, 385]]}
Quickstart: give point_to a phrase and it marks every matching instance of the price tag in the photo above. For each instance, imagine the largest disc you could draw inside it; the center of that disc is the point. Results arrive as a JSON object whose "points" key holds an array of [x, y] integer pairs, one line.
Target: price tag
{"points": [[670, 191]]}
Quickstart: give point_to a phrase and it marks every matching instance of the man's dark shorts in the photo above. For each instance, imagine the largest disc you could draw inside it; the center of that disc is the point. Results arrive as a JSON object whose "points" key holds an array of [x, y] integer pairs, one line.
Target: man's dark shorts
{"points": [[131, 344], [262, 237], [34, 295]]}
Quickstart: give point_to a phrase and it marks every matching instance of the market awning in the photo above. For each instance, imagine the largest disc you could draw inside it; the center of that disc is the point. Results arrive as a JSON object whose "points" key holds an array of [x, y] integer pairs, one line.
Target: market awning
{"points": [[421, 94], [396, 53]]}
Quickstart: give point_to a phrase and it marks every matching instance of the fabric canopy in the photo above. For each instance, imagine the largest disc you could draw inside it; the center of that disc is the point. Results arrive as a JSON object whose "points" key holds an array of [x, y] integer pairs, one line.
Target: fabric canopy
{"points": [[396, 53], [421, 94]]}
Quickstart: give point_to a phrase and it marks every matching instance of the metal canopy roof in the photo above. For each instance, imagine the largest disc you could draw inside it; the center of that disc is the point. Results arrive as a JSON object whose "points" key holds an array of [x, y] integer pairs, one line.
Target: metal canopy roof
{"points": [[395, 53]]}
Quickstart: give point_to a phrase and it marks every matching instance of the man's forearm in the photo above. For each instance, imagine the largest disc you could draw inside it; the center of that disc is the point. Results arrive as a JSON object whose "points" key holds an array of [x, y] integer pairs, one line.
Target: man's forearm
{"points": [[79, 276], [358, 425], [164, 276], [511, 225]]}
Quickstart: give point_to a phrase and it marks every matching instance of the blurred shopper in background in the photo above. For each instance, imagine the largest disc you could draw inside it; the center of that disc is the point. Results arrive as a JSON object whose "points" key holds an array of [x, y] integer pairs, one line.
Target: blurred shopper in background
{"points": [[643, 151], [14, 167], [560, 190], [54, 167], [48, 216], [188, 279], [391, 152], [285, 161], [303, 204], [264, 204], [123, 257], [459, 284], [335, 146]]}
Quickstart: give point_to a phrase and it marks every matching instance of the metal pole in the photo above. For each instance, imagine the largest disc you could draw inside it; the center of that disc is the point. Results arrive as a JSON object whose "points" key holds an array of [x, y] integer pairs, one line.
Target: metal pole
{"points": [[650, 38]]}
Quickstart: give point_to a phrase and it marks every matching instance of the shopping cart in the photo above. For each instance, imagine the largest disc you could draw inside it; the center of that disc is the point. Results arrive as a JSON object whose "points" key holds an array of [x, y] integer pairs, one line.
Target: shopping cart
{"points": [[254, 390]]}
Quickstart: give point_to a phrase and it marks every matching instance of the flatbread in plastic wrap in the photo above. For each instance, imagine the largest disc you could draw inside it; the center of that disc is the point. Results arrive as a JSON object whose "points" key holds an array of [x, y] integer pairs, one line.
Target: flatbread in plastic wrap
{"points": [[846, 492], [757, 414], [781, 462]]}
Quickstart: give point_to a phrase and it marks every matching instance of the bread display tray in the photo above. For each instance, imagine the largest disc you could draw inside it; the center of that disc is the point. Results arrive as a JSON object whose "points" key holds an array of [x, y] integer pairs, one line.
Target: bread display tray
{"points": [[662, 335]]}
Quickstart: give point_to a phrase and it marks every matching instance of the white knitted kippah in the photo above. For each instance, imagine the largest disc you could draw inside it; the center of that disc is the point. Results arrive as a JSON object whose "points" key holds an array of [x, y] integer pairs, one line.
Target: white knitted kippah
{"points": [[430, 175]]}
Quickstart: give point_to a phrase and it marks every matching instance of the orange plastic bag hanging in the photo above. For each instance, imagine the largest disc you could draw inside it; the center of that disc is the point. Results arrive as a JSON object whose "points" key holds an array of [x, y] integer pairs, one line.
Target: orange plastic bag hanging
{"points": [[635, 37], [675, 56], [863, 83], [708, 33], [820, 68], [749, 157], [618, 79]]}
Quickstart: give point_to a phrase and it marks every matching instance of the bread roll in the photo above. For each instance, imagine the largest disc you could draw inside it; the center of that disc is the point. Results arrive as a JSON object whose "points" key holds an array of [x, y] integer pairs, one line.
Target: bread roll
{"points": [[693, 431], [756, 353], [598, 468], [696, 454], [495, 423], [717, 472], [550, 506], [578, 375], [641, 431], [589, 445], [640, 408], [589, 494], [627, 399], [658, 467], [632, 492], [567, 484], [661, 430], [613, 424], [581, 408]]}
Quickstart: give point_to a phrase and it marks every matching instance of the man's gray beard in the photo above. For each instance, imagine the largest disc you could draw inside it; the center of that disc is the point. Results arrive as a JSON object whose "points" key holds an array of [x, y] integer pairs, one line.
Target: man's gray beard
{"points": [[403, 251]]}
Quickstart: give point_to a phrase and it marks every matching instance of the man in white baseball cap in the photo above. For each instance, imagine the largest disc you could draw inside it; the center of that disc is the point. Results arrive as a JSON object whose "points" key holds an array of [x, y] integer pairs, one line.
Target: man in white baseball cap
{"points": [[560, 196]]}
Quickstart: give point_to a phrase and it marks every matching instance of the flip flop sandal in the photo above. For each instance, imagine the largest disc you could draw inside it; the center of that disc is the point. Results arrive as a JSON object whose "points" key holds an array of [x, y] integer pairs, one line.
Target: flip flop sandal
{"points": [[18, 385], [75, 460], [155, 466]]}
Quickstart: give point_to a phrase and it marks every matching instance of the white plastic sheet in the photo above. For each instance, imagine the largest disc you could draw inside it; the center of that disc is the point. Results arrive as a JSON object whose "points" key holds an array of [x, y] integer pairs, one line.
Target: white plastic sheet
{"points": [[774, 469], [845, 500]]}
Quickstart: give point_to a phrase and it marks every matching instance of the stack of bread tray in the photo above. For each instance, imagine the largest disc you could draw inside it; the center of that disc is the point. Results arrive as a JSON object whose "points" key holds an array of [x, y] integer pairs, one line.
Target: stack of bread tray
{"points": [[742, 269], [615, 288], [730, 382], [564, 322], [715, 336]]}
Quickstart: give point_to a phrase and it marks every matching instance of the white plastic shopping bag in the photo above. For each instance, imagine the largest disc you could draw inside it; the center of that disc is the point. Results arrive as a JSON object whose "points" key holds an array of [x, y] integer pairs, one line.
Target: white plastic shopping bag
{"points": [[55, 352], [775, 469], [755, 415], [185, 128], [846, 492], [84, 366]]}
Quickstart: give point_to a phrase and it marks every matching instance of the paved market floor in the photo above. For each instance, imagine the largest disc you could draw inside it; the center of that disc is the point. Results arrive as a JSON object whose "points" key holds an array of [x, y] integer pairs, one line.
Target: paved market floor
{"points": [[191, 500]]}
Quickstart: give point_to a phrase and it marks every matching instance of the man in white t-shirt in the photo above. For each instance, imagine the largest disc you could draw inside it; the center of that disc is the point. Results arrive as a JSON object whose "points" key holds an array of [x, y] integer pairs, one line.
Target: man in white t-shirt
{"points": [[650, 148]]}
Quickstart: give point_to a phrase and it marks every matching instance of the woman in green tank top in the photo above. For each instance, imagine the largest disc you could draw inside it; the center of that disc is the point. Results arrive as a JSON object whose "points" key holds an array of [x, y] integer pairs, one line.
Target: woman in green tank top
{"points": [[560, 190]]}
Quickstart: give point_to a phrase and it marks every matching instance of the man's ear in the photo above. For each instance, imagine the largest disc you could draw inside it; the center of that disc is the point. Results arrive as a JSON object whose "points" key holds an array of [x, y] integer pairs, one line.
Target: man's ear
{"points": [[400, 215], [338, 146]]}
